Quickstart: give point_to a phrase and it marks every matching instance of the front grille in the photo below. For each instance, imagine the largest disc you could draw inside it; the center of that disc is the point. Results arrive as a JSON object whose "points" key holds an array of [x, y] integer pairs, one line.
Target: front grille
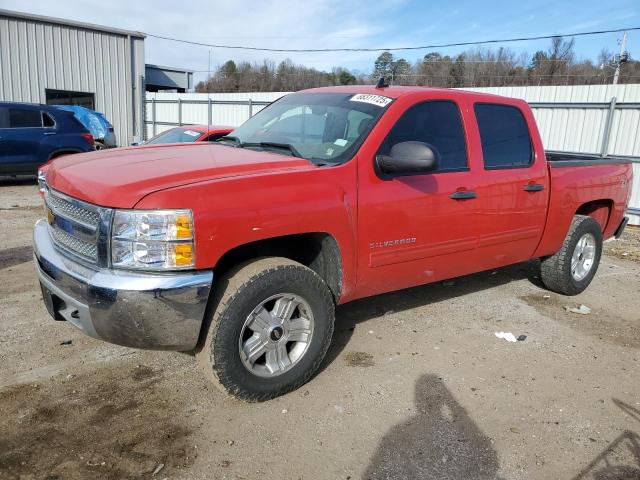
{"points": [[75, 245], [75, 212], [75, 225]]}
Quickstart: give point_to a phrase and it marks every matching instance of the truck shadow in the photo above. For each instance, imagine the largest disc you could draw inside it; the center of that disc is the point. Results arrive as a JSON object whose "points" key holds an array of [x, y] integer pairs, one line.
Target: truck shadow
{"points": [[10, 257], [440, 441], [350, 315]]}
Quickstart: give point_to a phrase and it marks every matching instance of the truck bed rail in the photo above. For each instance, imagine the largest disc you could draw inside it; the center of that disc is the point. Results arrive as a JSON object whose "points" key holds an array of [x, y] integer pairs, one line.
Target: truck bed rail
{"points": [[557, 159]]}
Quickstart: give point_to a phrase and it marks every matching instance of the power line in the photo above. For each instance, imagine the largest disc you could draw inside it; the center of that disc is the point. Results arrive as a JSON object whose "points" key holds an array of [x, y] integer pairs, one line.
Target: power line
{"points": [[502, 63], [422, 47]]}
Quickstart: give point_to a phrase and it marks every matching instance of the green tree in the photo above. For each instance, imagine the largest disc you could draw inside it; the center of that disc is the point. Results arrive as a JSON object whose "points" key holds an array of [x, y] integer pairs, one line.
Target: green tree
{"points": [[388, 67], [538, 60], [228, 69], [344, 77], [382, 65], [456, 72]]}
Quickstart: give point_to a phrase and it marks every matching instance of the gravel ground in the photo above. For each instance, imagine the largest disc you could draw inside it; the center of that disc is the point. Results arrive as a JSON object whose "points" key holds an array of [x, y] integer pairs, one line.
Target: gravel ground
{"points": [[626, 247], [415, 385]]}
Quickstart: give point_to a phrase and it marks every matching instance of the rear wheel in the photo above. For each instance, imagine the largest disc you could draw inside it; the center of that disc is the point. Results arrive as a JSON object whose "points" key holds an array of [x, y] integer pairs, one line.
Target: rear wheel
{"points": [[572, 268], [270, 330]]}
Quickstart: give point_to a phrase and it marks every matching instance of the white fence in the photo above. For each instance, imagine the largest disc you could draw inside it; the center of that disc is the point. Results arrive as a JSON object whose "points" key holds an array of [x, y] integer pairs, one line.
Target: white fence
{"points": [[600, 119], [166, 110]]}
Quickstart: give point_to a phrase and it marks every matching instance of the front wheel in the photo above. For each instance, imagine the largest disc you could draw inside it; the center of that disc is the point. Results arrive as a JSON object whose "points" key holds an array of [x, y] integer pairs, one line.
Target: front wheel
{"points": [[572, 268], [270, 330]]}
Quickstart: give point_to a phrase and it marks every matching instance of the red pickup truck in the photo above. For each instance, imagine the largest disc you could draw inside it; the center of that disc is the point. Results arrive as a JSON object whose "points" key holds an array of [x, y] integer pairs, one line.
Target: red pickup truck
{"points": [[239, 250]]}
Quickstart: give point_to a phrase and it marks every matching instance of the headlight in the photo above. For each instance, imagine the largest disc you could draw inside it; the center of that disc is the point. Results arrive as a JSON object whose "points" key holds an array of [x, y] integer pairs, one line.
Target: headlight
{"points": [[153, 239], [42, 181]]}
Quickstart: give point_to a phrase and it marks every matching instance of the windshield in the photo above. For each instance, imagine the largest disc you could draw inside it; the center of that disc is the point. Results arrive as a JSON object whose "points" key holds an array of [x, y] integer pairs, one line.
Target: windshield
{"points": [[321, 127], [176, 135]]}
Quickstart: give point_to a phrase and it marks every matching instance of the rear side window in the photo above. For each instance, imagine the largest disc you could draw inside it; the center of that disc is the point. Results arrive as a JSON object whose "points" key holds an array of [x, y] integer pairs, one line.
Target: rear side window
{"points": [[437, 123], [505, 136], [24, 118], [47, 120]]}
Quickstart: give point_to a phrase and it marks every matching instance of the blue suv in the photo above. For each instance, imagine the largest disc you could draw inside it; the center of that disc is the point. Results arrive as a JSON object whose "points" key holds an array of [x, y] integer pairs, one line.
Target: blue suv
{"points": [[31, 135]]}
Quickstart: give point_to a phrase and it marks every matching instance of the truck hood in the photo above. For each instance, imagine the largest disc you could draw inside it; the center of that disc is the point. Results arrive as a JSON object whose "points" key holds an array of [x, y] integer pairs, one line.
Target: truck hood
{"points": [[120, 178]]}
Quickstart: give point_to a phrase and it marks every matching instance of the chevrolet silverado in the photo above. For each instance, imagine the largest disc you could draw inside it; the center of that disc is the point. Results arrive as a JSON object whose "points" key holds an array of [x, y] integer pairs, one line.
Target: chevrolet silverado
{"points": [[239, 250]]}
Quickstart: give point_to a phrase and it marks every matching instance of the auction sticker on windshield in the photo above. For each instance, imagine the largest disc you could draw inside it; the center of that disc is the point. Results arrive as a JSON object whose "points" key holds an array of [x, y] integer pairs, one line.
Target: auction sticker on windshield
{"points": [[192, 133], [379, 100]]}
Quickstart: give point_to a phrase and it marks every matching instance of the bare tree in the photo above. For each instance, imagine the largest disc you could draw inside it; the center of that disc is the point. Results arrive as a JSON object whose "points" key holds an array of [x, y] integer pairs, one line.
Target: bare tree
{"points": [[479, 67]]}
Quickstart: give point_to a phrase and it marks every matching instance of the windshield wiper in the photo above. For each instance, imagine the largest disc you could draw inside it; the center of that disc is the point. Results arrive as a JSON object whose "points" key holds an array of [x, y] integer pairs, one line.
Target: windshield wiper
{"points": [[283, 146]]}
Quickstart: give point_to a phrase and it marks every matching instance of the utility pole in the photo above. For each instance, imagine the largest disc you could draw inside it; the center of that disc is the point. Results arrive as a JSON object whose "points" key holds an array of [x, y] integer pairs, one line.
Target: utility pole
{"points": [[622, 58]]}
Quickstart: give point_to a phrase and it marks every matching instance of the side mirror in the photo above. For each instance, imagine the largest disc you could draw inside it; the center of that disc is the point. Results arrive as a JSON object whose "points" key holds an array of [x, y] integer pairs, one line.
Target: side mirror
{"points": [[409, 158]]}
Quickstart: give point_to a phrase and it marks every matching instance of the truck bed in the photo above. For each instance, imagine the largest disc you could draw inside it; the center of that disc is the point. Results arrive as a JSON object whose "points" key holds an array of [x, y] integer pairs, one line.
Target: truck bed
{"points": [[557, 159], [584, 184]]}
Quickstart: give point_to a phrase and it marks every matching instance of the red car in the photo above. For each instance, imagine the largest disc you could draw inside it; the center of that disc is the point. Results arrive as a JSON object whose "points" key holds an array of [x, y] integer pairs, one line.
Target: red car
{"points": [[239, 250], [190, 133]]}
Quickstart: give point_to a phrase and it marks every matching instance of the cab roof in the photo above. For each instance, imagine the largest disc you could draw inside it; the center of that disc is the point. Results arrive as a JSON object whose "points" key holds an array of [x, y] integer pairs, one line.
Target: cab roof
{"points": [[396, 91]]}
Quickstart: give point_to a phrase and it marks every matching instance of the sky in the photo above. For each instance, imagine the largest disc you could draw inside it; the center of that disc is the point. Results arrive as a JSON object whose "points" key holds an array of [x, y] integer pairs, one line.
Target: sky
{"points": [[343, 23]]}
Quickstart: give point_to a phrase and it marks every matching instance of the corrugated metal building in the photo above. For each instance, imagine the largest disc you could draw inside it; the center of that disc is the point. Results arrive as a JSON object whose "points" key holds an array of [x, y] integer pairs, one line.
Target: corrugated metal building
{"points": [[52, 61], [159, 78]]}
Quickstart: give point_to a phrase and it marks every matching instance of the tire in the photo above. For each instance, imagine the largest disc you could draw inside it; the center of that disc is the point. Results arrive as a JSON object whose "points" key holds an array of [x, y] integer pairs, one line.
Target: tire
{"points": [[241, 293], [558, 272]]}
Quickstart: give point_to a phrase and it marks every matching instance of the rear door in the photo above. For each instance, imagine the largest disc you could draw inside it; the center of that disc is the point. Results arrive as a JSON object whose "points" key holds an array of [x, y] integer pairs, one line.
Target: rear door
{"points": [[20, 140], [7, 156], [512, 186]]}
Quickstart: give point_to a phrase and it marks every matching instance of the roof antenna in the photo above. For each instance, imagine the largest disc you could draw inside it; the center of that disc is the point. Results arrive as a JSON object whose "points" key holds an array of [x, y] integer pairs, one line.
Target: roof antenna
{"points": [[382, 83]]}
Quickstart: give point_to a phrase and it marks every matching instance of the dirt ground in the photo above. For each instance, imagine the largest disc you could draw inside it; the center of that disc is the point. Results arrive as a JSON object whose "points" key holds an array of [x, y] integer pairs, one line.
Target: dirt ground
{"points": [[415, 386]]}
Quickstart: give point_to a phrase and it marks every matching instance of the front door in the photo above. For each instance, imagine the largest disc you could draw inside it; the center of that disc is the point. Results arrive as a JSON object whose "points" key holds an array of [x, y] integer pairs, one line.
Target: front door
{"points": [[420, 228]]}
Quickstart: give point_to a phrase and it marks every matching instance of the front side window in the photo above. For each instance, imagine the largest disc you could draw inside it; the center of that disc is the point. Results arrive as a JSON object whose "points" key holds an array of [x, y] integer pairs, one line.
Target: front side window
{"points": [[24, 118], [176, 135], [325, 128], [504, 135], [437, 123], [4, 117]]}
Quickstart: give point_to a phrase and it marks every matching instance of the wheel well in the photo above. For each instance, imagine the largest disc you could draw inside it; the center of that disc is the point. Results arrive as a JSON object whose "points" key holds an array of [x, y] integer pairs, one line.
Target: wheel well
{"points": [[318, 251], [599, 210]]}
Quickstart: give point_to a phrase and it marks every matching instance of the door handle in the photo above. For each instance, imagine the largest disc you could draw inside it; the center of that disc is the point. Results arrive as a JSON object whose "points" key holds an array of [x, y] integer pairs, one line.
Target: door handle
{"points": [[49, 133], [463, 195], [533, 187]]}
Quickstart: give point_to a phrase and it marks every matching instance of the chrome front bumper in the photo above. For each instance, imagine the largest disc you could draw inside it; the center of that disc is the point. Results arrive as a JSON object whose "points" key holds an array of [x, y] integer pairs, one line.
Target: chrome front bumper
{"points": [[156, 311]]}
